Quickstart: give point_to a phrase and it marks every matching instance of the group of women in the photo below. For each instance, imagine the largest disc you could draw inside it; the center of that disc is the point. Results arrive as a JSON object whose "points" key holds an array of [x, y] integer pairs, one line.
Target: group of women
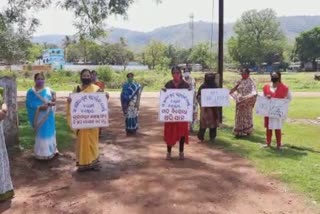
{"points": [[244, 92], [41, 102]]}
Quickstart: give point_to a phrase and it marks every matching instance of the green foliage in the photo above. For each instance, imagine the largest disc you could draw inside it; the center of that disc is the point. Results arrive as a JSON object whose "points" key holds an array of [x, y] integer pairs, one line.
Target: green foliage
{"points": [[307, 46], [258, 38], [105, 73], [34, 51], [13, 45], [155, 55], [202, 54]]}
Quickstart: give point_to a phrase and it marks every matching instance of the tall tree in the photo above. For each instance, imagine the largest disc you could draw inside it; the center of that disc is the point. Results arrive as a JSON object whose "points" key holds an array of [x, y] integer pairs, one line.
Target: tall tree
{"points": [[155, 54], [258, 38], [307, 46], [13, 45], [202, 54], [89, 14]]}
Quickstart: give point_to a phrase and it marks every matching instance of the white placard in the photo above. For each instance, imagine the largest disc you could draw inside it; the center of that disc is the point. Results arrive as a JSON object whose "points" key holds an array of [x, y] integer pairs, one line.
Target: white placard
{"points": [[274, 107], [215, 97], [89, 110], [176, 105]]}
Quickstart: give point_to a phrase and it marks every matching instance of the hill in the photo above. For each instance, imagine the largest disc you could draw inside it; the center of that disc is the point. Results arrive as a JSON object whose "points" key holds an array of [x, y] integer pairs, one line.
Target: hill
{"points": [[180, 35]]}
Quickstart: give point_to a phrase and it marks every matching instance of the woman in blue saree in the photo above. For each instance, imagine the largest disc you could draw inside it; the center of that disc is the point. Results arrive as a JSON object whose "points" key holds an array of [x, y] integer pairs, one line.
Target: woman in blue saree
{"points": [[130, 100], [40, 104]]}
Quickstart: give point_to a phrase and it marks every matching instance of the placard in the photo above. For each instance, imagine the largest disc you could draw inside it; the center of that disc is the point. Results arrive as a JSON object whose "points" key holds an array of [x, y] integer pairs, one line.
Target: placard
{"points": [[274, 107], [215, 97], [89, 110], [176, 105]]}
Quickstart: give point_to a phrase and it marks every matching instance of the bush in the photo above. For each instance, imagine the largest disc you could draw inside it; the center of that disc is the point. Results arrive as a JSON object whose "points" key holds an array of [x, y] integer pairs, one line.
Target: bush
{"points": [[105, 73]]}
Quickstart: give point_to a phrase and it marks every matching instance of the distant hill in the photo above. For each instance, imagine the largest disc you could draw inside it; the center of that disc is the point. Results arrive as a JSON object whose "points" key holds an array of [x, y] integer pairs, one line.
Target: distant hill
{"points": [[180, 35]]}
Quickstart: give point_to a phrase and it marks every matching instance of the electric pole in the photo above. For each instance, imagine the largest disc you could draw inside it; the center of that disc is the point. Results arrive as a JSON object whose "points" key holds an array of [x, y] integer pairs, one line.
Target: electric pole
{"points": [[220, 51], [192, 29]]}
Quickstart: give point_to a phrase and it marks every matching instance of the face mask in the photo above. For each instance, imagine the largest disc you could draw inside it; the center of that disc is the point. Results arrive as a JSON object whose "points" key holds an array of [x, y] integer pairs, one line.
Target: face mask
{"points": [[85, 81], [186, 74], [274, 79], [245, 76], [176, 77], [40, 82], [130, 80], [94, 78]]}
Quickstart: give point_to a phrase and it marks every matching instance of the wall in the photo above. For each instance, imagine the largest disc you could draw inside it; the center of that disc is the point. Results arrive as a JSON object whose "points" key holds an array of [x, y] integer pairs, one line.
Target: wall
{"points": [[11, 127]]}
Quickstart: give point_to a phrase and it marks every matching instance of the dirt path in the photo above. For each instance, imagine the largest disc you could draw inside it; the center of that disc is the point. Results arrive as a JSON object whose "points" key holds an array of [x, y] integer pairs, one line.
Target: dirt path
{"points": [[136, 178]]}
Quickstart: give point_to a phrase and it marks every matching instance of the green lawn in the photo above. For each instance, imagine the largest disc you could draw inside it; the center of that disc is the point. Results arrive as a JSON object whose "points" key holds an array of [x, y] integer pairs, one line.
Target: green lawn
{"points": [[298, 164], [64, 134]]}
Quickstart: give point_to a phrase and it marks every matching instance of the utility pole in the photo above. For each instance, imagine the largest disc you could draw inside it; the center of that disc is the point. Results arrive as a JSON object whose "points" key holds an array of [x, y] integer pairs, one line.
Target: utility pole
{"points": [[220, 51], [212, 25], [192, 29]]}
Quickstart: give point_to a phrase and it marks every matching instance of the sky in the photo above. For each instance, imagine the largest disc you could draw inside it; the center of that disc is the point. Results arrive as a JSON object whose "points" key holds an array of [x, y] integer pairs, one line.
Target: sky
{"points": [[146, 15]]}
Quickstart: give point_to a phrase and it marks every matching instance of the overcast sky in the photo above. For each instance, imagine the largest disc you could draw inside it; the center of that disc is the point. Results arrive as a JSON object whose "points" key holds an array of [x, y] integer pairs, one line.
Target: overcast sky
{"points": [[146, 15]]}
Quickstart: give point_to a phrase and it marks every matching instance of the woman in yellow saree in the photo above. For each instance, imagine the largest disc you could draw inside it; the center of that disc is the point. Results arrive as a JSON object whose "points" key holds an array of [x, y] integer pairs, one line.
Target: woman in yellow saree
{"points": [[87, 146]]}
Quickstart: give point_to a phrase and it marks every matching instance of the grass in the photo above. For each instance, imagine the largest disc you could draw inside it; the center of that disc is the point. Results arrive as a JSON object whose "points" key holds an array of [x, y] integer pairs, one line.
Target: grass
{"points": [[298, 164], [26, 133], [154, 80]]}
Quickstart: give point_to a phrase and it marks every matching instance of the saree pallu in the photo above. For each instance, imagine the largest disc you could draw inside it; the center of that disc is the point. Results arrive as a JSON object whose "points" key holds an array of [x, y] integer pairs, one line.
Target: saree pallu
{"points": [[43, 123], [87, 144], [244, 117], [129, 102], [6, 188]]}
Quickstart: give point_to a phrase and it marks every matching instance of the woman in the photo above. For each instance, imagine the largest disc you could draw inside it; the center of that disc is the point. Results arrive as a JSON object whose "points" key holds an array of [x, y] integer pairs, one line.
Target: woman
{"points": [[130, 99], [87, 146], [245, 94], [96, 81], [209, 116], [176, 131], [192, 84], [6, 188], [275, 89], [40, 103]]}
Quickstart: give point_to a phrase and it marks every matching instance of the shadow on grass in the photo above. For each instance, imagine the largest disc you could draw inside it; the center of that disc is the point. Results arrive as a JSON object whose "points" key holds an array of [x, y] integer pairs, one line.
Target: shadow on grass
{"points": [[253, 145]]}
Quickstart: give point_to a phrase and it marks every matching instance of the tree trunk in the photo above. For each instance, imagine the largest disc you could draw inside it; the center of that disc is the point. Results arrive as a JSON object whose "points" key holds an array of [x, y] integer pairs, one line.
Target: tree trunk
{"points": [[11, 125]]}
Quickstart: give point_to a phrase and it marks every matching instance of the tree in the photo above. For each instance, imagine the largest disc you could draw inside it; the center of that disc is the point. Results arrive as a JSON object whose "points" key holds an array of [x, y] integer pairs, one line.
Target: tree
{"points": [[307, 47], [66, 42], [89, 14], [13, 45], [203, 55], [34, 51], [258, 38], [155, 55]]}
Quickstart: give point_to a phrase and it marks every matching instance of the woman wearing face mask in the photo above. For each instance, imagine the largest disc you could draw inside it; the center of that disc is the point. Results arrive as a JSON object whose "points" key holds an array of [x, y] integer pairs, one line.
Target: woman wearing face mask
{"points": [[40, 104], [87, 146], [130, 98], [176, 131], [209, 116], [245, 94], [192, 85], [275, 89]]}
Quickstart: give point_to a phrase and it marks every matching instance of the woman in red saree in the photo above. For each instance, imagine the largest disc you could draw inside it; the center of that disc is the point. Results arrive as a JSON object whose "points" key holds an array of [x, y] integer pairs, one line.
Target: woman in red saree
{"points": [[176, 131]]}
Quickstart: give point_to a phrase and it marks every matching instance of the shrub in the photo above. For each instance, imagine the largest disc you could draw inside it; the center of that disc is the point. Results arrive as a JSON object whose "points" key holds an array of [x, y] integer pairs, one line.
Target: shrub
{"points": [[105, 73]]}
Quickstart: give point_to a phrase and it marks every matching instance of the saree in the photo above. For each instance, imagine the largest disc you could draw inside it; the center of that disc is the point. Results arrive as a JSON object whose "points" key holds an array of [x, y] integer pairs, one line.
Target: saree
{"points": [[42, 122], [246, 99], [87, 144], [6, 188], [174, 131], [130, 100]]}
